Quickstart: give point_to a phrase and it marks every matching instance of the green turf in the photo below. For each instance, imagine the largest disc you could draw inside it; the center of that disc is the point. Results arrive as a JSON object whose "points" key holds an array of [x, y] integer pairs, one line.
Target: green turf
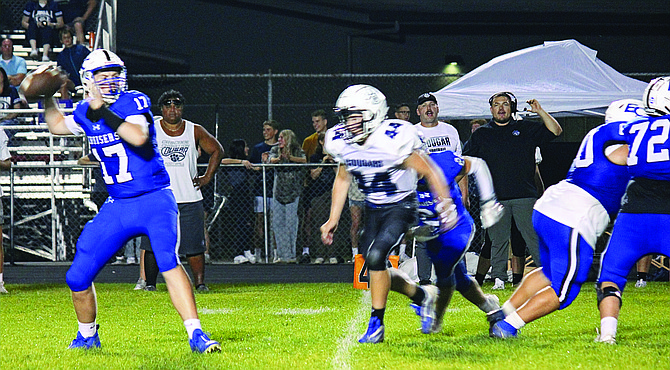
{"points": [[314, 326]]}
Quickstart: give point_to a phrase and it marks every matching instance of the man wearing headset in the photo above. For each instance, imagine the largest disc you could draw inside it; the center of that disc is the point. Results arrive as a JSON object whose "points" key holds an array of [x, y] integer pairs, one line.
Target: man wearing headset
{"points": [[508, 147]]}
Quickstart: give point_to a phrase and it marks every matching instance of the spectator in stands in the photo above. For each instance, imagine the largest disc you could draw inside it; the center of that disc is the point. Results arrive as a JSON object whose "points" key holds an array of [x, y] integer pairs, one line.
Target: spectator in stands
{"points": [[178, 140], [5, 164], [239, 201], [402, 111], [14, 66], [75, 15], [320, 124], [309, 146], [9, 98], [260, 154], [287, 188], [508, 147], [70, 60], [41, 18]]}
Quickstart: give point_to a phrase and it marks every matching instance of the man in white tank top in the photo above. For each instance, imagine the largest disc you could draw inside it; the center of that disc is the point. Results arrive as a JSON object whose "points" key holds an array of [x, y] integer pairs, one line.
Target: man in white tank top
{"points": [[178, 141]]}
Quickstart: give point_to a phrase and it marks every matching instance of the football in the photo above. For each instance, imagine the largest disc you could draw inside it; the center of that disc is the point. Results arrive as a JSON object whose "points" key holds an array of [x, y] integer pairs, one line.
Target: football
{"points": [[42, 82]]}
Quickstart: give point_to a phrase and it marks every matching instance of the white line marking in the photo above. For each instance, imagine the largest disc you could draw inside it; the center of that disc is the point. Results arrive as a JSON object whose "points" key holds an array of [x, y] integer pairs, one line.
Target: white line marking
{"points": [[343, 352], [209, 311], [303, 311]]}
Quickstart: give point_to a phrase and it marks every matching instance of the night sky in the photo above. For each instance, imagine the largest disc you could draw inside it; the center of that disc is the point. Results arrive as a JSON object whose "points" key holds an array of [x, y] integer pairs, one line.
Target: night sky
{"points": [[214, 38]]}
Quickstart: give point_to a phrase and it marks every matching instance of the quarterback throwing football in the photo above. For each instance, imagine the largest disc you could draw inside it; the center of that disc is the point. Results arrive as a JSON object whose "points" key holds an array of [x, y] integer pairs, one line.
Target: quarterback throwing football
{"points": [[118, 125]]}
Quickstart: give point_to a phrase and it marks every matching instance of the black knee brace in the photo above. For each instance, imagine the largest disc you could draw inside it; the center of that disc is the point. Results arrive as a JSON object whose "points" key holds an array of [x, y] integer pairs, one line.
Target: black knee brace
{"points": [[609, 291], [376, 260]]}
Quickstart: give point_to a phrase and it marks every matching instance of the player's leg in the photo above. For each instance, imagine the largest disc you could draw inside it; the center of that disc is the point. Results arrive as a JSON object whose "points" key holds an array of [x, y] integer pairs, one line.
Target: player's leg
{"points": [[642, 267], [484, 262], [98, 242], [161, 225], [518, 254]]}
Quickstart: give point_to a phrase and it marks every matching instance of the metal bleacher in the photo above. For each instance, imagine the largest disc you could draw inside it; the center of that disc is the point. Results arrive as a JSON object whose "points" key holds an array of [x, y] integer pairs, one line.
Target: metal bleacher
{"points": [[49, 193]]}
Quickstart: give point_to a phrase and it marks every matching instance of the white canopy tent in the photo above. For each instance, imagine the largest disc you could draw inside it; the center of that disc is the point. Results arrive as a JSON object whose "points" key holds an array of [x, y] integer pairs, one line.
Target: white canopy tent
{"points": [[564, 76]]}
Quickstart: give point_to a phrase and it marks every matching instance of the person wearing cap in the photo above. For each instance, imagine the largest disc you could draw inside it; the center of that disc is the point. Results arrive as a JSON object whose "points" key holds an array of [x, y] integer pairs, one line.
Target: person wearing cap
{"points": [[508, 146], [438, 136]]}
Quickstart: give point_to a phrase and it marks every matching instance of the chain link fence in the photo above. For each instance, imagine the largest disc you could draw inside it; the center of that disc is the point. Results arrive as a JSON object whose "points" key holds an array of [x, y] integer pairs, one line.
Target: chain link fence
{"points": [[235, 106]]}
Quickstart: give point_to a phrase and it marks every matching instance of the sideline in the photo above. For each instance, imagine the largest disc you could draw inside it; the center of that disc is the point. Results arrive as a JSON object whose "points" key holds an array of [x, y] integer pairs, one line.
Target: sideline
{"points": [[341, 359]]}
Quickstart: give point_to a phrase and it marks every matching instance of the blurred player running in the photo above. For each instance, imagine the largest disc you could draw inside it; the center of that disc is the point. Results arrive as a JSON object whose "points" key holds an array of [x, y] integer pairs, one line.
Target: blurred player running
{"points": [[384, 156]]}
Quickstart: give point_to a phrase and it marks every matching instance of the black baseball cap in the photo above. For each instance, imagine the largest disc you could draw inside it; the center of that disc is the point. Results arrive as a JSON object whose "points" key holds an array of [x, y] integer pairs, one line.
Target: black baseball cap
{"points": [[424, 98]]}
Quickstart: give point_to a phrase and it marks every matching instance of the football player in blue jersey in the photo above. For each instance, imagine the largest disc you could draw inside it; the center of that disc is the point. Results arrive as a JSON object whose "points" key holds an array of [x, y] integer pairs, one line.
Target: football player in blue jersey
{"points": [[118, 125], [384, 156], [641, 226], [569, 218], [447, 249]]}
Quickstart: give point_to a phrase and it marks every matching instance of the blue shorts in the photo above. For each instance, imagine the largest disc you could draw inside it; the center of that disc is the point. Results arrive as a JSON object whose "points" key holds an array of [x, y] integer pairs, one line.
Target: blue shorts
{"points": [[567, 257], [633, 236], [119, 220]]}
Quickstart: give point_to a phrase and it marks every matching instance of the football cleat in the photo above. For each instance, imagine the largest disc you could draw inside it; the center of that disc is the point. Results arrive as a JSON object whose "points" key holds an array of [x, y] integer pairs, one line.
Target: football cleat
{"points": [[640, 283], [86, 343], [493, 318], [609, 339], [201, 343], [141, 284], [502, 329], [2, 288], [202, 288], [499, 284], [427, 309], [375, 332]]}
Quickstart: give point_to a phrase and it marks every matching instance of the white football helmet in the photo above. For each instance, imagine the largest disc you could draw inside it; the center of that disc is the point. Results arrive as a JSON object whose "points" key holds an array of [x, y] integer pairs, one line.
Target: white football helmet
{"points": [[657, 95], [98, 60], [366, 101], [625, 110]]}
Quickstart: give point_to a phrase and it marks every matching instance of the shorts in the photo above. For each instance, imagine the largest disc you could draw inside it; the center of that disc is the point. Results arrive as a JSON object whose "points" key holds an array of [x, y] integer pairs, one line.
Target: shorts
{"points": [[191, 230], [356, 203]]}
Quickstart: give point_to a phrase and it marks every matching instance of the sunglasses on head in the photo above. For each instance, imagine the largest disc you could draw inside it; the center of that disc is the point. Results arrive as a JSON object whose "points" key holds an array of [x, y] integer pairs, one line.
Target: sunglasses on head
{"points": [[176, 102]]}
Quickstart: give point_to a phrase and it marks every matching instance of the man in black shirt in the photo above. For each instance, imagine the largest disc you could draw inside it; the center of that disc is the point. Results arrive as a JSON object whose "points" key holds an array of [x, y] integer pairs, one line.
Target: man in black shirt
{"points": [[508, 147]]}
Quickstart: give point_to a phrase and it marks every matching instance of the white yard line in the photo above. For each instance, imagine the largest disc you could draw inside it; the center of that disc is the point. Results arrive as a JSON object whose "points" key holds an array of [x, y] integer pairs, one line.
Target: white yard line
{"points": [[342, 354]]}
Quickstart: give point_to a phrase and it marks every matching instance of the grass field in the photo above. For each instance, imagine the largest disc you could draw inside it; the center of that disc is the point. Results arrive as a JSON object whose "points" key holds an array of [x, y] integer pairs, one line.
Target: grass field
{"points": [[315, 326]]}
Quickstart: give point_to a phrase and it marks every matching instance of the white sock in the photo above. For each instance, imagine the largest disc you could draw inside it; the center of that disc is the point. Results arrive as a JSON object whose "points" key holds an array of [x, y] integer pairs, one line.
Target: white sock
{"points": [[354, 251], [87, 330], [508, 308], [191, 325], [1, 277], [305, 250], [515, 320], [608, 326]]}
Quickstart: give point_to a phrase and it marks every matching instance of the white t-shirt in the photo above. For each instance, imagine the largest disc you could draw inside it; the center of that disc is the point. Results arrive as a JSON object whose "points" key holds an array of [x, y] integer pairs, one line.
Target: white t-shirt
{"points": [[440, 138], [180, 156], [377, 164]]}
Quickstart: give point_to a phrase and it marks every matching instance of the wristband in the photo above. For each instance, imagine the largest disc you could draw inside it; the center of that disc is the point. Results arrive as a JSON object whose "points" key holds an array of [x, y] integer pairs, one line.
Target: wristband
{"points": [[111, 119]]}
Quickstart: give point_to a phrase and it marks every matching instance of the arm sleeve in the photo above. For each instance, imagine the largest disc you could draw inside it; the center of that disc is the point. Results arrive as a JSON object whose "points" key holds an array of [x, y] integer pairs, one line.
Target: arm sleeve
{"points": [[73, 126]]}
